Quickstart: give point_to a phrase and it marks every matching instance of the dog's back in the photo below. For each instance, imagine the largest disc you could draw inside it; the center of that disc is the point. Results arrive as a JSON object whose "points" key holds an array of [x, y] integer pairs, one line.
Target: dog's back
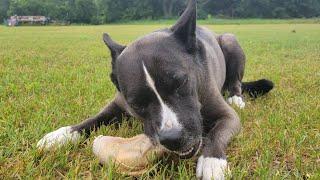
{"points": [[212, 57]]}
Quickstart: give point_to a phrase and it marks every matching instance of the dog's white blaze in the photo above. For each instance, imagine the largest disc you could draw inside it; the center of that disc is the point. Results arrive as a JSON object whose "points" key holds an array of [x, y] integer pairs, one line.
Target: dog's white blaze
{"points": [[211, 168], [169, 117], [58, 138]]}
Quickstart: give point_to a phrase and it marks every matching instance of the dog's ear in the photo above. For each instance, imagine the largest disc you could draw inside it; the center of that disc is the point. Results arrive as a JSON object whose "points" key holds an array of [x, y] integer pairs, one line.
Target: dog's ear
{"points": [[116, 49], [185, 28]]}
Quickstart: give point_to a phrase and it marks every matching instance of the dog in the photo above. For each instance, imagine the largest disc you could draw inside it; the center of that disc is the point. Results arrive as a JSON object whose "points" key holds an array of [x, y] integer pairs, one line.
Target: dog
{"points": [[174, 80]]}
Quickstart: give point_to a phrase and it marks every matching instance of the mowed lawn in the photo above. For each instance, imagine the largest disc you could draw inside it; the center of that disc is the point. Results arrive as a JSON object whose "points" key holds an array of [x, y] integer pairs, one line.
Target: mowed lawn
{"points": [[57, 76]]}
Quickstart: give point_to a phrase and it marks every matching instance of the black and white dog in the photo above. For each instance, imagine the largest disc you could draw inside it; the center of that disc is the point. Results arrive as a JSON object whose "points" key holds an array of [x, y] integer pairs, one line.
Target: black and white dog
{"points": [[174, 79]]}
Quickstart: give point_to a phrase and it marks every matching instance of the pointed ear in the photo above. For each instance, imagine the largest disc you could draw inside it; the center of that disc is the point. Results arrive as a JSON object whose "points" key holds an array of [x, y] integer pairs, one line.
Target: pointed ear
{"points": [[115, 48], [185, 28]]}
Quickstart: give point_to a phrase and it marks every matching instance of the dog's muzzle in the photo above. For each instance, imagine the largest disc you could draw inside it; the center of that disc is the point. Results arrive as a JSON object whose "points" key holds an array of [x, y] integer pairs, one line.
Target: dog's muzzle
{"points": [[191, 152]]}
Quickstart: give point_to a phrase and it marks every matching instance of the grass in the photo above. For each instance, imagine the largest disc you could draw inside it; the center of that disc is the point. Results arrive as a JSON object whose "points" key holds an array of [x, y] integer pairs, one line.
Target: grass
{"points": [[57, 76]]}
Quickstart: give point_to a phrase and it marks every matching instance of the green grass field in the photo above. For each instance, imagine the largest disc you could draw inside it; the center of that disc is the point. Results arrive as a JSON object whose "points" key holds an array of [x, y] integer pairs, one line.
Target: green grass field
{"points": [[57, 76]]}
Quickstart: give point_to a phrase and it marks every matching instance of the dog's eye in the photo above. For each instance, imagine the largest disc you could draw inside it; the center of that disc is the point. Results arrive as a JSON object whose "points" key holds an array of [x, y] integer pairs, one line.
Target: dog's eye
{"points": [[141, 100], [180, 81], [169, 85], [138, 109]]}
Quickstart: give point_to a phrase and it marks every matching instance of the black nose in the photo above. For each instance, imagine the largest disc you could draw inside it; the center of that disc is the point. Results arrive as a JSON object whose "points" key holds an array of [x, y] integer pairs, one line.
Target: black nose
{"points": [[172, 139]]}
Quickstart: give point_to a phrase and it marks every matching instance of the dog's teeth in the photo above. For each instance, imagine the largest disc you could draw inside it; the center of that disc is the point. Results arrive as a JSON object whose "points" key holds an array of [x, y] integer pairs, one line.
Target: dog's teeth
{"points": [[184, 153]]}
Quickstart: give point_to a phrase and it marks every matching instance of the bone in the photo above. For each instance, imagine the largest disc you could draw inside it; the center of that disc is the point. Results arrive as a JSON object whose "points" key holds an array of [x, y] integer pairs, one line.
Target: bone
{"points": [[131, 156]]}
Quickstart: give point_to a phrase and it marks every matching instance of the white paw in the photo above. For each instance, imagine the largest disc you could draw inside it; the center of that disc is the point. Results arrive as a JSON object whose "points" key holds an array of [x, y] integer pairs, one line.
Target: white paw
{"points": [[58, 138], [237, 100], [211, 168]]}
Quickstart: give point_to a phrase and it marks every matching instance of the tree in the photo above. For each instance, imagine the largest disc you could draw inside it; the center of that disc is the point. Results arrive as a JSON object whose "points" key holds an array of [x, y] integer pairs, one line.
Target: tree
{"points": [[26, 7], [103, 11], [171, 6], [4, 6], [84, 11]]}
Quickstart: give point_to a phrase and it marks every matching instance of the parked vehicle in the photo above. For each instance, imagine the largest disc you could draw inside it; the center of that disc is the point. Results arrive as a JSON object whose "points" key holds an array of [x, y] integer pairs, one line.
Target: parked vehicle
{"points": [[31, 20]]}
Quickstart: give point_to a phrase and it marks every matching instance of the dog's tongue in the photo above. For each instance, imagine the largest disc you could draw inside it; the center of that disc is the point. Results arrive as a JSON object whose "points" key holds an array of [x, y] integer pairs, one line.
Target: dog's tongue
{"points": [[130, 155]]}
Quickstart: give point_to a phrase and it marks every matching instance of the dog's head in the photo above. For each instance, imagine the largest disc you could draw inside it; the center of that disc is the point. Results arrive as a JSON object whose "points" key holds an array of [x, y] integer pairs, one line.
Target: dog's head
{"points": [[157, 77]]}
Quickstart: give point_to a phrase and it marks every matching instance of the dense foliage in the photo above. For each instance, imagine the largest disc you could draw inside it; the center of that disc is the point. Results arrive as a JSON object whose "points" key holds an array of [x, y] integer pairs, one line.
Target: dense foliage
{"points": [[102, 11]]}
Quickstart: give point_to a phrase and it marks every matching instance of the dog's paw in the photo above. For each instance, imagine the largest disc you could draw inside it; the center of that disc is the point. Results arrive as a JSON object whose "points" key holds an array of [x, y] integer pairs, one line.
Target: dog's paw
{"points": [[211, 168], [58, 138], [237, 100]]}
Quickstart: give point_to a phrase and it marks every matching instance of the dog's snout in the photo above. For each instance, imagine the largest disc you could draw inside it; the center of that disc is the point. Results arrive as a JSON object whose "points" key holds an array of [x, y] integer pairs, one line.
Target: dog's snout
{"points": [[171, 139]]}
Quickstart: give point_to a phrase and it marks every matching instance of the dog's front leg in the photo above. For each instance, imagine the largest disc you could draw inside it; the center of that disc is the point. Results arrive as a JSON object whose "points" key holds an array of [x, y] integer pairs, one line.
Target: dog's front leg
{"points": [[111, 113], [212, 164]]}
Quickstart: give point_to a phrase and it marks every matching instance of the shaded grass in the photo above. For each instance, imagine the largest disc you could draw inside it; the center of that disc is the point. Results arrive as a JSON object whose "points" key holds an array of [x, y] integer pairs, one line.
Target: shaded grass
{"points": [[57, 76]]}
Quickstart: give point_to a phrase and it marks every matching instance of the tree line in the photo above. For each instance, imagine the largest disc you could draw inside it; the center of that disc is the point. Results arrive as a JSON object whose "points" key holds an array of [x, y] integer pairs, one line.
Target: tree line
{"points": [[105, 11]]}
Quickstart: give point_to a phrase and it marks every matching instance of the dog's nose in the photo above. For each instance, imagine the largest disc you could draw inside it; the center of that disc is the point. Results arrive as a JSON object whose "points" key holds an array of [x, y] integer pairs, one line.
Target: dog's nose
{"points": [[172, 139]]}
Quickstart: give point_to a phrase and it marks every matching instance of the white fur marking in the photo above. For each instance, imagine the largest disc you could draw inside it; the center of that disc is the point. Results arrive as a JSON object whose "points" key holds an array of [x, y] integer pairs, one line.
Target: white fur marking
{"points": [[237, 100], [169, 118], [211, 168], [58, 138]]}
